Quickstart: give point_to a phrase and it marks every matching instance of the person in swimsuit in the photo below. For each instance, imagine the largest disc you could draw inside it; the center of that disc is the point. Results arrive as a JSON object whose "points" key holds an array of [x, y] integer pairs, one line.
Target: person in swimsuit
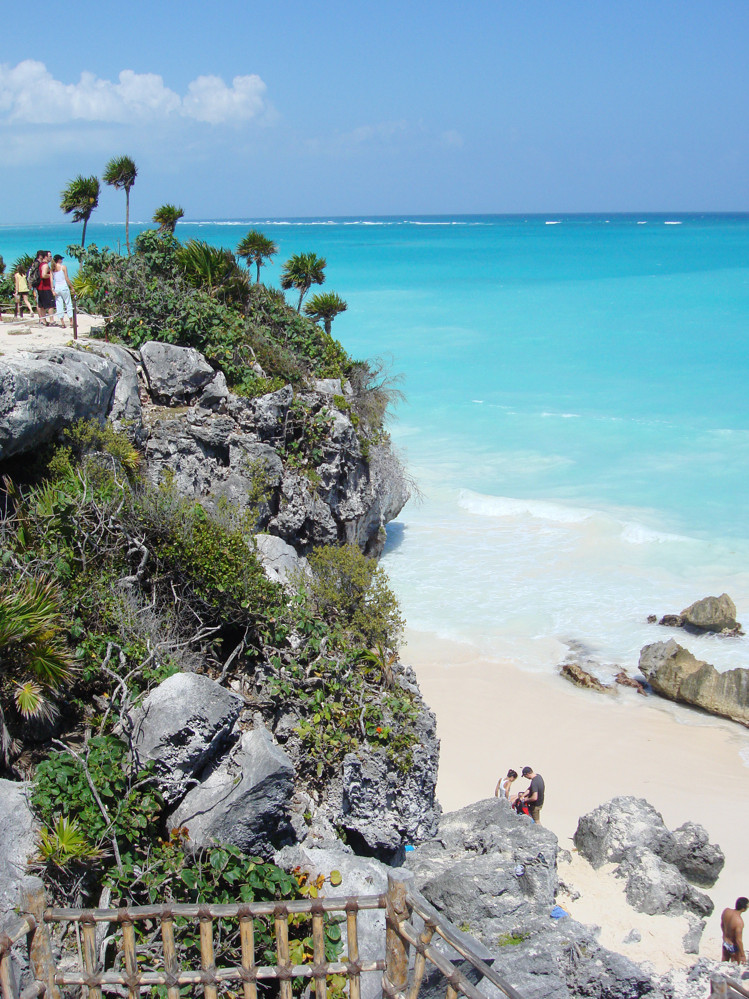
{"points": [[732, 928]]}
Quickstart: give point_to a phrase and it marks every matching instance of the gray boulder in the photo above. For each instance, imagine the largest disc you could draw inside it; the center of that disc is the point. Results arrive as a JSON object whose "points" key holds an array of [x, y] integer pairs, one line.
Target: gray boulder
{"points": [[181, 726], [608, 833], [280, 561], [654, 862], [699, 860], [655, 887], [18, 841], [126, 405], [215, 392], [488, 867], [42, 392], [175, 374], [673, 672], [243, 800], [712, 614]]}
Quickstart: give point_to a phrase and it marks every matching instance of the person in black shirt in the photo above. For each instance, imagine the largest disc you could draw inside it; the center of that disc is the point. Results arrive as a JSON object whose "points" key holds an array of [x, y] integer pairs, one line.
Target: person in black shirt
{"points": [[534, 796]]}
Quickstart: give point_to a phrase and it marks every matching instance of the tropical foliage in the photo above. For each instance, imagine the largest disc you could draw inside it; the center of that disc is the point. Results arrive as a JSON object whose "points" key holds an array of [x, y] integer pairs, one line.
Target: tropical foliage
{"points": [[80, 199], [120, 173], [302, 271], [34, 657], [167, 216], [324, 307], [256, 248]]}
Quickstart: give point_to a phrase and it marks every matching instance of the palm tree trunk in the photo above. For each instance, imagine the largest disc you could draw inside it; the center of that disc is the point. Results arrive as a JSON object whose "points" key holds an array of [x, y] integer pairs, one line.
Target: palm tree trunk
{"points": [[301, 296], [83, 237], [127, 219], [257, 281]]}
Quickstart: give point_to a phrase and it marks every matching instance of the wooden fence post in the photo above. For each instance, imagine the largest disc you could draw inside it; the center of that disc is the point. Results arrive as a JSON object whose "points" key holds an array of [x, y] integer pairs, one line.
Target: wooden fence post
{"points": [[34, 902], [395, 976]]}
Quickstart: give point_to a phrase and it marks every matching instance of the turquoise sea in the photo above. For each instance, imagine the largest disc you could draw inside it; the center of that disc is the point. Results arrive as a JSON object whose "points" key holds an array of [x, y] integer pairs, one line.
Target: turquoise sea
{"points": [[576, 414]]}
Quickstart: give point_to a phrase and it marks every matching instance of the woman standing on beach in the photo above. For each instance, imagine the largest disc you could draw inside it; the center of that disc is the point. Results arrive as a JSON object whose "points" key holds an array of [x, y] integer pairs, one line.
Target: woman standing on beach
{"points": [[61, 286], [21, 292]]}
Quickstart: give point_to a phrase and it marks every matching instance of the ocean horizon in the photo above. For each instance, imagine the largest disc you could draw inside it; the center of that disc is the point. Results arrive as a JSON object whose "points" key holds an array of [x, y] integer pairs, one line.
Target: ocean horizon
{"points": [[575, 418]]}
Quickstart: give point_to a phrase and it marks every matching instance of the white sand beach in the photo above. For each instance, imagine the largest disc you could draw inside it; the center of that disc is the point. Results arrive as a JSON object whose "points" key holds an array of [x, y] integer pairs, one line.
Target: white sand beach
{"points": [[590, 747]]}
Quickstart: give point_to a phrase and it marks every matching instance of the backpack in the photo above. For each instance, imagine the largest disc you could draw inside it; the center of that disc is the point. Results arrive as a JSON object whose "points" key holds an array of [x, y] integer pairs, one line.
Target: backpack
{"points": [[34, 274]]}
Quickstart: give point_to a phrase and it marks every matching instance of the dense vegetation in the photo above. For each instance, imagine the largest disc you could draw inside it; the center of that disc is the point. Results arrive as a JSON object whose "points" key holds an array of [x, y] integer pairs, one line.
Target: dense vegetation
{"points": [[109, 584]]}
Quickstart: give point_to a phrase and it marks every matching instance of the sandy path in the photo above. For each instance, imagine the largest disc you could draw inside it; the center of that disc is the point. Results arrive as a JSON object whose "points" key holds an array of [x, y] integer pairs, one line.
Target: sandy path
{"points": [[29, 335], [589, 747]]}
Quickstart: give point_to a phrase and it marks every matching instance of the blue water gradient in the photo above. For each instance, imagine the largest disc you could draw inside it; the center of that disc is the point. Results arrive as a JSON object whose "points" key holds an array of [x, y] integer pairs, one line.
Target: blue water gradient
{"points": [[577, 415]]}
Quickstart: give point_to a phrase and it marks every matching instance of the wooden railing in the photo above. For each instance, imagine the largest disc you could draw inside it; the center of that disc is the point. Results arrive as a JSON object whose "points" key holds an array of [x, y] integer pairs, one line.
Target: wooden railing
{"points": [[410, 948]]}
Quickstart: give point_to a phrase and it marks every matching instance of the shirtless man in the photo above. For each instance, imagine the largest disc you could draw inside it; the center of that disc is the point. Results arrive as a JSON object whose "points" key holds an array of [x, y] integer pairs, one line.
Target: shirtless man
{"points": [[732, 928]]}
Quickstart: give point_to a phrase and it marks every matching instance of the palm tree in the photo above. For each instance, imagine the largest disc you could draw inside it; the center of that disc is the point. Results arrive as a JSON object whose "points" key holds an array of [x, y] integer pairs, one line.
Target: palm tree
{"points": [[325, 306], [167, 217], [214, 270], [80, 198], [34, 660], [257, 248], [121, 172], [302, 271]]}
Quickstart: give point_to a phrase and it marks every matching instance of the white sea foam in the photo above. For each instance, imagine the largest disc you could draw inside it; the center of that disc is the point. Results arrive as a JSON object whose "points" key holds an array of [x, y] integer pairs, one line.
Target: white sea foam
{"points": [[672, 223], [642, 223], [507, 506], [555, 222], [638, 534], [563, 416]]}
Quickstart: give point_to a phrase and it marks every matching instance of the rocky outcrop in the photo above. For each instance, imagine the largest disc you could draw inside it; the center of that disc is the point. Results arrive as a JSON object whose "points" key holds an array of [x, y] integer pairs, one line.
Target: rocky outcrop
{"points": [[175, 375], [181, 726], [243, 800], [493, 872], [657, 865], [580, 677], [673, 672], [711, 614], [214, 445], [44, 391], [18, 841], [383, 806]]}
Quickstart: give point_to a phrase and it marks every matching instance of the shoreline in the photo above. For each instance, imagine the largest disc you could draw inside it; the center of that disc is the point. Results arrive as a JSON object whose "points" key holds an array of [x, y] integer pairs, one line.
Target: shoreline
{"points": [[589, 747]]}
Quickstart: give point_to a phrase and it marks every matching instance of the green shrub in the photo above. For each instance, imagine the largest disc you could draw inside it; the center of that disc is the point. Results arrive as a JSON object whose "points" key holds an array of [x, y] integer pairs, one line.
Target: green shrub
{"points": [[352, 593]]}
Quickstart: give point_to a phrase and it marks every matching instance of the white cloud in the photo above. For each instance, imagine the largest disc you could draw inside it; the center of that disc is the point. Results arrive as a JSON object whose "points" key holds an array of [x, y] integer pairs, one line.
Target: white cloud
{"points": [[209, 99], [30, 94]]}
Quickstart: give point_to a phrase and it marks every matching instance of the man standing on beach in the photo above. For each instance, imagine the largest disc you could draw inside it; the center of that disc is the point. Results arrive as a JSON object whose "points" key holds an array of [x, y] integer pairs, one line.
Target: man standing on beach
{"points": [[534, 796], [732, 928]]}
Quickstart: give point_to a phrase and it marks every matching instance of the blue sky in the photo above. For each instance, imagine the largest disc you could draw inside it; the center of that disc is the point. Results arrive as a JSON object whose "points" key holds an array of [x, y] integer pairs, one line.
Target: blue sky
{"points": [[243, 109]]}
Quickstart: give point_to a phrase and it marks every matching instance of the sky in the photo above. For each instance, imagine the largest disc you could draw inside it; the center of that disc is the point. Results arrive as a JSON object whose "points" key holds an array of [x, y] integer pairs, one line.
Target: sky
{"points": [[307, 107]]}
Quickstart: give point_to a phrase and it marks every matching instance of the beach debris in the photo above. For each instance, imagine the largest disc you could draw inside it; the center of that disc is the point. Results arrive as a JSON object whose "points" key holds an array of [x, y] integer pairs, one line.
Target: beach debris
{"points": [[716, 615]]}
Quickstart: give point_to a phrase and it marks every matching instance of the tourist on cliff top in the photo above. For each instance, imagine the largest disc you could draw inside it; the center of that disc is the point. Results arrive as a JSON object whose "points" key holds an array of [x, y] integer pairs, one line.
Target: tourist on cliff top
{"points": [[61, 286], [21, 292], [45, 298], [534, 796], [732, 928], [504, 784]]}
